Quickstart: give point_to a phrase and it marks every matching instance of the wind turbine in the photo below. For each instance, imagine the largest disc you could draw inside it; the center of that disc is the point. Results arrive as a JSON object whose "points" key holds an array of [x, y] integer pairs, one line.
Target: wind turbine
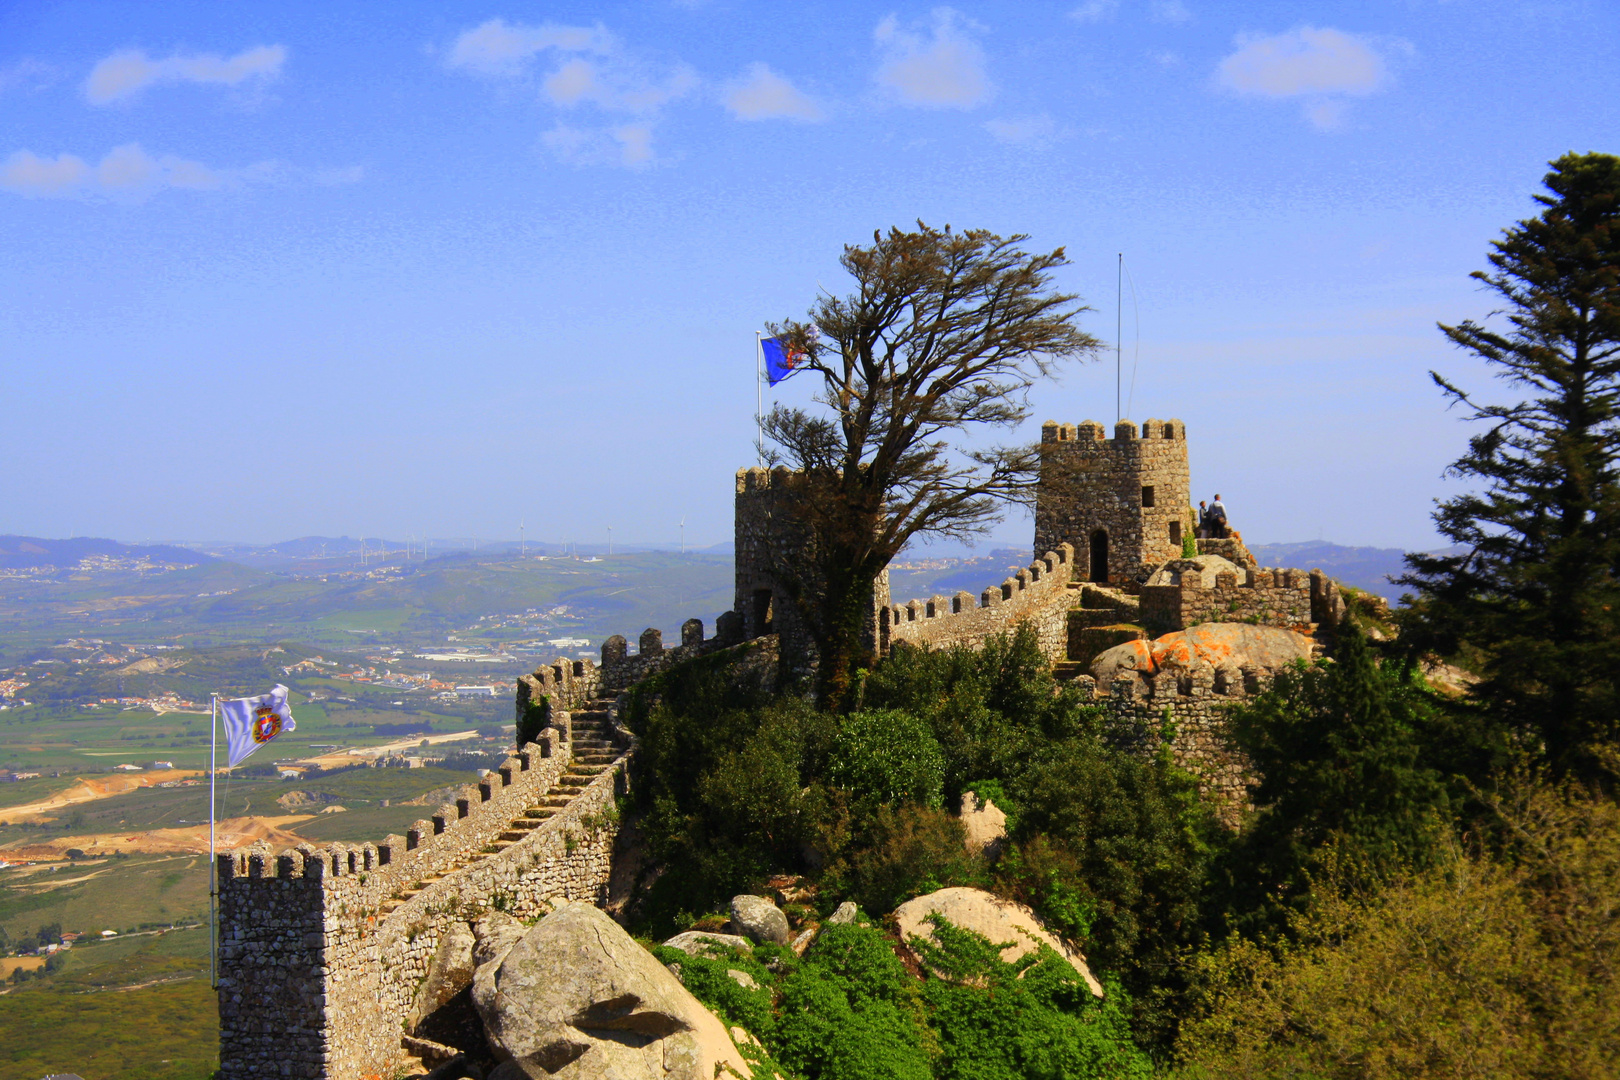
{"points": [[610, 540], [683, 534], [523, 545]]}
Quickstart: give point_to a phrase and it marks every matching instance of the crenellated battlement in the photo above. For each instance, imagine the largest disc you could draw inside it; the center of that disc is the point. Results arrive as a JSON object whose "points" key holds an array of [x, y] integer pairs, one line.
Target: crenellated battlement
{"points": [[1265, 596], [322, 948], [1120, 501], [1038, 594]]}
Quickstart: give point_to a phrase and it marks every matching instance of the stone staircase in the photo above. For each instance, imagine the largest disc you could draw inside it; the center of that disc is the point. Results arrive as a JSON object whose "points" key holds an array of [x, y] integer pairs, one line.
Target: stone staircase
{"points": [[1103, 618], [594, 750]]}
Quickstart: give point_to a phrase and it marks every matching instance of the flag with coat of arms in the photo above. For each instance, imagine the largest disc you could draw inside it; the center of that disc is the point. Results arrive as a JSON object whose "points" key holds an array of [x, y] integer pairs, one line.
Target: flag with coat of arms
{"points": [[251, 722]]}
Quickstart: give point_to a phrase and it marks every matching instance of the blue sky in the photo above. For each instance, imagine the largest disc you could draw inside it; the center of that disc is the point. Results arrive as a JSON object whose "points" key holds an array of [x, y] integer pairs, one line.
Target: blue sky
{"points": [[278, 269]]}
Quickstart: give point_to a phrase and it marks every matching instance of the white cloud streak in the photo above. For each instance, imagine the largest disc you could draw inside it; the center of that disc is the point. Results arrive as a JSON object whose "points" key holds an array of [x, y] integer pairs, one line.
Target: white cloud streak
{"points": [[128, 173], [1036, 132], [940, 67], [575, 68], [1320, 65], [497, 48], [124, 74], [1094, 11], [762, 94], [1171, 12]]}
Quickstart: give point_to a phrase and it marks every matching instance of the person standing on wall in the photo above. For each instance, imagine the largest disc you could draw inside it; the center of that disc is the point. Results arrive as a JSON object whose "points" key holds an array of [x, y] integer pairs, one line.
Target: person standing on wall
{"points": [[1204, 526], [1217, 518]]}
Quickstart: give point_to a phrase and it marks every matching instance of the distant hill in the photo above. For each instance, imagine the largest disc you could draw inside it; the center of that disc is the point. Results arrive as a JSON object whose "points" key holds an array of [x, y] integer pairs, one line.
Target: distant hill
{"points": [[1366, 568], [21, 551]]}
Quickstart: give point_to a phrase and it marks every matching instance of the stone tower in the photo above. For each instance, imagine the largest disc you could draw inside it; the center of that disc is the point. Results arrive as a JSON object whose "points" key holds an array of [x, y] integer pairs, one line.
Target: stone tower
{"points": [[1122, 502], [772, 547]]}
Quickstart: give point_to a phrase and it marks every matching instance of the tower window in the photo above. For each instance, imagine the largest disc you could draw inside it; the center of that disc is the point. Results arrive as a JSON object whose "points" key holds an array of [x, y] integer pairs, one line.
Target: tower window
{"points": [[1147, 495], [1175, 532]]}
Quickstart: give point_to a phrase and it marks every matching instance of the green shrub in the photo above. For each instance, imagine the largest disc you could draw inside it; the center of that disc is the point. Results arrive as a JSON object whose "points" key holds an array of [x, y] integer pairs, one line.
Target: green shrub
{"points": [[1033, 1018], [850, 1011], [1494, 963], [886, 755], [1114, 848], [901, 852]]}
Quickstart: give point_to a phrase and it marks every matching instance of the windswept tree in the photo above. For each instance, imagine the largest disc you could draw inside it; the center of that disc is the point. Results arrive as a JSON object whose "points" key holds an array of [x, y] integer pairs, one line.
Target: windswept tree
{"points": [[943, 335], [1533, 585]]}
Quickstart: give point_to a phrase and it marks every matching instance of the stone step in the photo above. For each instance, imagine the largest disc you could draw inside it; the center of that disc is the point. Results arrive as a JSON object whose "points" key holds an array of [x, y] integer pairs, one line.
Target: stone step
{"points": [[556, 801]]}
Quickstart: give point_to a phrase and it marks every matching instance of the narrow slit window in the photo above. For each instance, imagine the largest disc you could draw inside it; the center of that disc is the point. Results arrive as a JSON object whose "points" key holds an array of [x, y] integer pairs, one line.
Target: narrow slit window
{"points": [[1175, 532]]}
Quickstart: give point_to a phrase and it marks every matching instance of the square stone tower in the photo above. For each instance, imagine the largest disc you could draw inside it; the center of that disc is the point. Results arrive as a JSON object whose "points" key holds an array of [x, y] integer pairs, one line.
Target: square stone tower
{"points": [[773, 554], [1122, 502]]}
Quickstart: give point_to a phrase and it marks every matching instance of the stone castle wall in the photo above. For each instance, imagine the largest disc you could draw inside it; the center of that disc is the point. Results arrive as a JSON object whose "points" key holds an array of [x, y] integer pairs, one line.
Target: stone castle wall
{"points": [[320, 956], [1132, 490], [773, 557], [1038, 595], [1293, 599], [1194, 703]]}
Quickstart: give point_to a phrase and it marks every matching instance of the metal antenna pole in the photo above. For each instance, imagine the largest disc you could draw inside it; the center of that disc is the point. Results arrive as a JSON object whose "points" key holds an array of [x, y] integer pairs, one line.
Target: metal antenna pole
{"points": [[1119, 324], [213, 862], [759, 395]]}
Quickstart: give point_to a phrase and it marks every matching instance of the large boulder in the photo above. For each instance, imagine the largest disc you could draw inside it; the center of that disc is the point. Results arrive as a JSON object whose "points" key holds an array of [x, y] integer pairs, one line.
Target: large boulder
{"points": [[1205, 646], [703, 943], [578, 998], [1012, 926], [1202, 569], [449, 973], [760, 920], [984, 825]]}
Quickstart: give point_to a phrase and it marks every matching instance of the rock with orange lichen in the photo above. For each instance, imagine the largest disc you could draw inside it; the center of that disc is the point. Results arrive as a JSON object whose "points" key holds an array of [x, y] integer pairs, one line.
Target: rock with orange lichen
{"points": [[1208, 646]]}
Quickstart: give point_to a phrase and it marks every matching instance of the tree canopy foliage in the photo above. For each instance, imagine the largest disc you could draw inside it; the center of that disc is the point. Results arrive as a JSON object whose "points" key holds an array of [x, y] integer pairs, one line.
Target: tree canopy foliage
{"points": [[944, 333], [1534, 587]]}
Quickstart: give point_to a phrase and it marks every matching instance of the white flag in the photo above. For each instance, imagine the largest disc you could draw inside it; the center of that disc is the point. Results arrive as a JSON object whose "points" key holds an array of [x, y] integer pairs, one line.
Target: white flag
{"points": [[251, 722]]}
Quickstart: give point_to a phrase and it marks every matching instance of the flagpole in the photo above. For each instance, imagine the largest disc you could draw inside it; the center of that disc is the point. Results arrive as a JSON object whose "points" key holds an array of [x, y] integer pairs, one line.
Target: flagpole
{"points": [[759, 395], [213, 865]]}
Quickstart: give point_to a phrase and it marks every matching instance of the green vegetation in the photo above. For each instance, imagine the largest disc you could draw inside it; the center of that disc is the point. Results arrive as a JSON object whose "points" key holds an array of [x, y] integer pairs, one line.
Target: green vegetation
{"points": [[1530, 589], [850, 1010], [135, 1009], [1111, 845]]}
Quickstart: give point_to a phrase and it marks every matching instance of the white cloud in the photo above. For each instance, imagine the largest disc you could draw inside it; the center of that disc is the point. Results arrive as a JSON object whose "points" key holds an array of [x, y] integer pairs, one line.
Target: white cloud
{"points": [[28, 174], [942, 67], [1173, 12], [26, 72], [579, 68], [1165, 58], [128, 173], [126, 73], [1322, 66], [1037, 132], [1304, 61], [629, 145], [1095, 11], [496, 48], [764, 95]]}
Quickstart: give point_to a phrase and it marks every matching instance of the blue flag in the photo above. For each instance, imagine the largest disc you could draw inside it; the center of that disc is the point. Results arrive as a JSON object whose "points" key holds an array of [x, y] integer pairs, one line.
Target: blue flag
{"points": [[781, 359]]}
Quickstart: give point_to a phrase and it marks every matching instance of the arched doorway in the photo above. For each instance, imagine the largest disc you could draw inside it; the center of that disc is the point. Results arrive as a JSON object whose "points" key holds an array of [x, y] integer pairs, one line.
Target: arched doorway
{"points": [[1099, 556]]}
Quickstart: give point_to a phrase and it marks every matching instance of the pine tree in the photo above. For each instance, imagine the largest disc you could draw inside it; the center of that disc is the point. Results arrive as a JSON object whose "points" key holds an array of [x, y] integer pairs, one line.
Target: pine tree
{"points": [[1532, 589]]}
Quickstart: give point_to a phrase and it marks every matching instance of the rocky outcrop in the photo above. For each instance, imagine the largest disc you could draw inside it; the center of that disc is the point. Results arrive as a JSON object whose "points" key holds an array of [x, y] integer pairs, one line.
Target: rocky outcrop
{"points": [[984, 825], [1200, 571], [1208, 645], [845, 914], [702, 943], [449, 973], [578, 998], [760, 920], [1012, 926]]}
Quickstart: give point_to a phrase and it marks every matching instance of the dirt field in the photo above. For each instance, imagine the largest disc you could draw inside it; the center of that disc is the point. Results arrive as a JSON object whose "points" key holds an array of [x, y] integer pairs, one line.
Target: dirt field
{"points": [[89, 789], [191, 840], [9, 964]]}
